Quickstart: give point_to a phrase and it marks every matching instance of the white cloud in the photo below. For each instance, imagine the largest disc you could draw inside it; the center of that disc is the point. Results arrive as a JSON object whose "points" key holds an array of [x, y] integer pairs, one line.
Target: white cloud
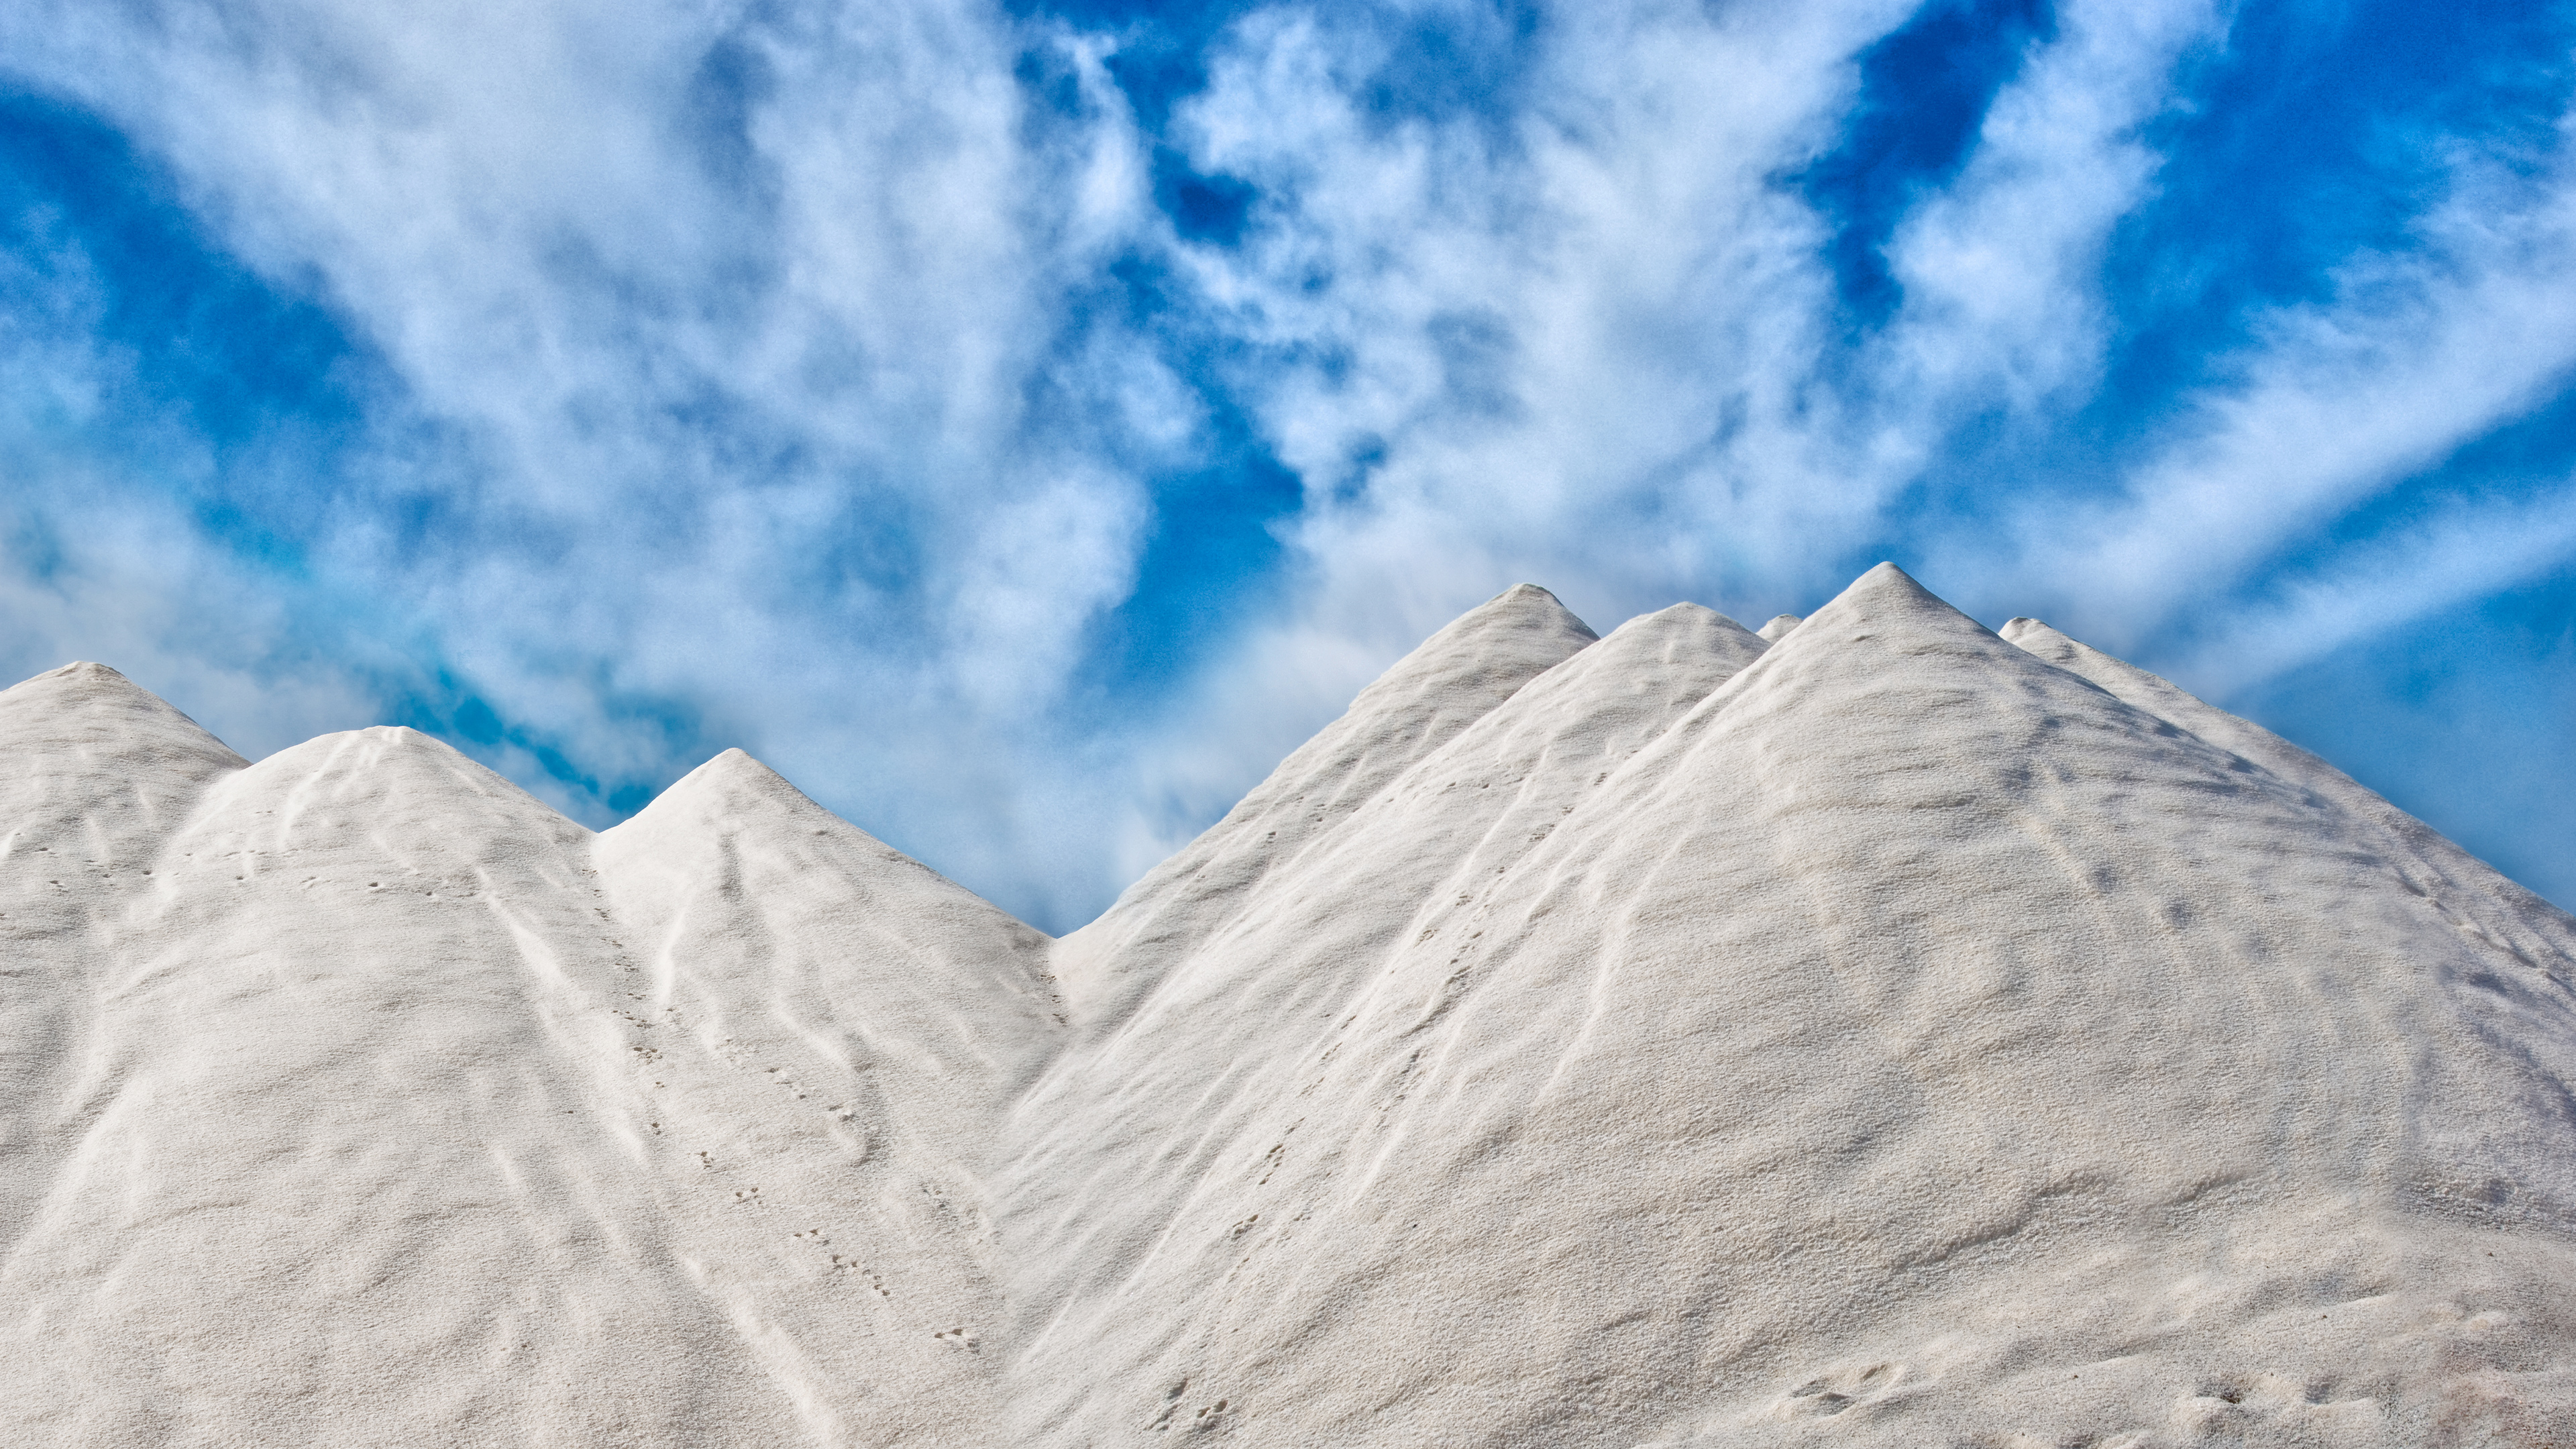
{"points": [[2001, 270], [719, 329], [2463, 553], [763, 366]]}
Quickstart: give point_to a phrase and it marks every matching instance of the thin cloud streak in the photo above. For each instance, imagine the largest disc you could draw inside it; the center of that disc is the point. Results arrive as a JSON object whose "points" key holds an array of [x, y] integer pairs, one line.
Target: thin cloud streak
{"points": [[2337, 403], [2465, 553]]}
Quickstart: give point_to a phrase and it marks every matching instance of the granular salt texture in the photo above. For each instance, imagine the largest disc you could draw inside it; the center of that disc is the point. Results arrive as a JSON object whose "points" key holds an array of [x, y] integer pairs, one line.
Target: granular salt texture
{"points": [[1913, 1042], [1874, 1031], [403, 1110]]}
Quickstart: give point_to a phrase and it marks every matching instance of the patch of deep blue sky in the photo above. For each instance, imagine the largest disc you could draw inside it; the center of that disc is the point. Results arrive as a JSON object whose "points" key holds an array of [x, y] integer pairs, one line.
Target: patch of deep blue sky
{"points": [[2307, 138], [247, 403], [1923, 91], [223, 363]]}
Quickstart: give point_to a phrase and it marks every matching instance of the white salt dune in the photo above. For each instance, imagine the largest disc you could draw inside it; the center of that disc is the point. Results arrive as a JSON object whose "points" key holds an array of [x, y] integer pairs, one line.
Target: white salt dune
{"points": [[1873, 1031]]}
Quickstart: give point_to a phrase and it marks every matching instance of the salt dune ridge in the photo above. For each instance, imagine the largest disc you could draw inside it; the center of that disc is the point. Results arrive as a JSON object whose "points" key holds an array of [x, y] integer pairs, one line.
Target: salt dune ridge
{"points": [[1874, 1031]]}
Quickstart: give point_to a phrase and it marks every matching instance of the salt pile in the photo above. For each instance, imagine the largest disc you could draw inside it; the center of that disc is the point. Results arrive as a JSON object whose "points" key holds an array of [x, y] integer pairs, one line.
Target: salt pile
{"points": [[1873, 1030]]}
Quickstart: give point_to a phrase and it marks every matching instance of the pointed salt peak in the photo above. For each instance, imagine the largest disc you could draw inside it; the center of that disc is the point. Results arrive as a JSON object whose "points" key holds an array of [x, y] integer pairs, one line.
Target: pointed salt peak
{"points": [[401, 739], [85, 679], [1529, 595], [1507, 639], [1522, 606], [729, 780], [1780, 624], [1682, 615], [1687, 628], [399, 760], [82, 669], [1687, 647], [1887, 597], [1886, 575], [734, 791], [2042, 642], [384, 744], [738, 771], [93, 692], [734, 786], [2116, 677], [2036, 635], [734, 763]]}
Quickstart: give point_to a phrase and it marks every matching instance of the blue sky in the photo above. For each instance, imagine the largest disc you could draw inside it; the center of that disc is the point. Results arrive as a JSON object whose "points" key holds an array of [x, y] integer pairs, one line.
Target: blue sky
{"points": [[1021, 424]]}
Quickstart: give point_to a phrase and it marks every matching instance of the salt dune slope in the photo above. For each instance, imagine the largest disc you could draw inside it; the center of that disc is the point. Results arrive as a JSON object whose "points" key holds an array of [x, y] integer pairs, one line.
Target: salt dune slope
{"points": [[93, 772], [2485, 902], [372, 1127], [1251, 992], [1455, 678], [831, 1030], [1912, 1043]]}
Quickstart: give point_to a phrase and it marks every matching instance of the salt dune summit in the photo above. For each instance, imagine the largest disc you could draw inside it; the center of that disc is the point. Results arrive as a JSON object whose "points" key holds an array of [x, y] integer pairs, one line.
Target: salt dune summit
{"points": [[1873, 1031]]}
